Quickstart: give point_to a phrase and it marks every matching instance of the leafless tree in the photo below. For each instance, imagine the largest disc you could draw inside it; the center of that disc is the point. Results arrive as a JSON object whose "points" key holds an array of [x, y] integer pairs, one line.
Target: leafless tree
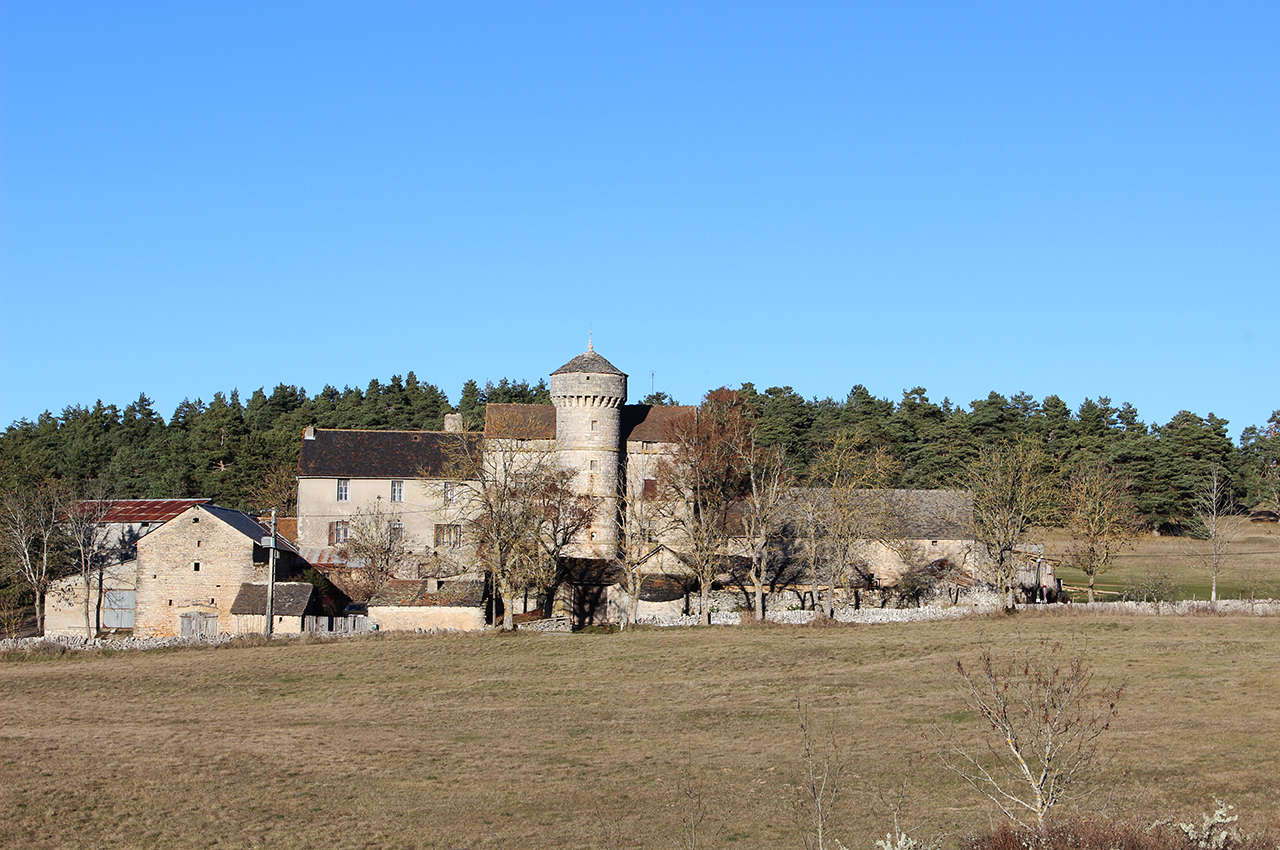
{"points": [[31, 537], [516, 504], [854, 511], [84, 510], [764, 509], [1101, 517], [377, 549], [1215, 508], [1045, 718], [278, 489], [819, 787], [1013, 490], [699, 482], [640, 527]]}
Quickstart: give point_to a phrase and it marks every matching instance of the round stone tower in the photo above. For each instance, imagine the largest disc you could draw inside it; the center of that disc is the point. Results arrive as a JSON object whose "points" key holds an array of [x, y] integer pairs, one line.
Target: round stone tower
{"points": [[588, 393]]}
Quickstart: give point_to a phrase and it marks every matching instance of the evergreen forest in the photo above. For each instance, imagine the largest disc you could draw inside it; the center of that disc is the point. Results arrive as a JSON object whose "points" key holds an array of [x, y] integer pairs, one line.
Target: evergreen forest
{"points": [[242, 454]]}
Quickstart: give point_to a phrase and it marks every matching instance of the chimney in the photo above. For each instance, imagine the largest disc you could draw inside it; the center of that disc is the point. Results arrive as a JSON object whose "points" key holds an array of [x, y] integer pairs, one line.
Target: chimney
{"points": [[453, 421], [309, 432]]}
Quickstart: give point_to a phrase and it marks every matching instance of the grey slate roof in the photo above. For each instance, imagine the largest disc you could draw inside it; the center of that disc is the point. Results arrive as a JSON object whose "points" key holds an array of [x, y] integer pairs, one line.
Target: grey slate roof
{"points": [[292, 599], [342, 453], [246, 525], [928, 514], [589, 361]]}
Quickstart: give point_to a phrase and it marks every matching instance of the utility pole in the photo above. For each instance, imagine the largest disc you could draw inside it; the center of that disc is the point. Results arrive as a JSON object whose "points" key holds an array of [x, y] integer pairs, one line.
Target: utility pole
{"points": [[271, 578]]}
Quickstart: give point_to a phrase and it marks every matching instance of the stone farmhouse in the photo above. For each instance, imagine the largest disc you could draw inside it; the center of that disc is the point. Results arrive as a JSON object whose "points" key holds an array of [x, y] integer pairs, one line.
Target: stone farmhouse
{"points": [[125, 522]]}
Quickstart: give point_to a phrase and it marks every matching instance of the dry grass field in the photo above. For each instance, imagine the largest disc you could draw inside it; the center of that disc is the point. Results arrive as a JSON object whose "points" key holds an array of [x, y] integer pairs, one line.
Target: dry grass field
{"points": [[540, 741], [1252, 569]]}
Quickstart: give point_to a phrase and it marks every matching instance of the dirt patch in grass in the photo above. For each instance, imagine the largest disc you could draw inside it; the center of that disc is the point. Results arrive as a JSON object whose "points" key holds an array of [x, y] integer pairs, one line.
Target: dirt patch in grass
{"points": [[471, 741]]}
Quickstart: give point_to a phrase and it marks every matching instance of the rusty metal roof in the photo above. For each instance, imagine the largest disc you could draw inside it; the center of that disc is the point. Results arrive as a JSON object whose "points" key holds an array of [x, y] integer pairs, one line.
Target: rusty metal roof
{"points": [[145, 510]]}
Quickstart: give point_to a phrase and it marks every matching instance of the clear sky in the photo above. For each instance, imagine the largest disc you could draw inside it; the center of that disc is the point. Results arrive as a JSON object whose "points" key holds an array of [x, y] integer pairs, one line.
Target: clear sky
{"points": [[1079, 199]]}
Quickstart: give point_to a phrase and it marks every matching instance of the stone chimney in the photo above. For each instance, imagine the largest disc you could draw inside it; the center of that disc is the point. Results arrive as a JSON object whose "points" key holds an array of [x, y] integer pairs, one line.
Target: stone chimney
{"points": [[453, 421]]}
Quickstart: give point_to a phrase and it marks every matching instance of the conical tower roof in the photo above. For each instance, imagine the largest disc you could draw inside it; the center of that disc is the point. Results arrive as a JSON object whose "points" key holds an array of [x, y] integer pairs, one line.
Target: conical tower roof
{"points": [[589, 361]]}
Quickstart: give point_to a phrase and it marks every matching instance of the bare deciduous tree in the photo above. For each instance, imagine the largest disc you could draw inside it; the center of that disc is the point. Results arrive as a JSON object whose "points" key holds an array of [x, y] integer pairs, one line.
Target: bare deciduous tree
{"points": [[516, 504], [1215, 508], [1045, 718], [1101, 517], [819, 786], [30, 535], [278, 489], [699, 482], [1013, 489], [764, 509], [639, 531], [377, 548], [851, 511], [84, 510]]}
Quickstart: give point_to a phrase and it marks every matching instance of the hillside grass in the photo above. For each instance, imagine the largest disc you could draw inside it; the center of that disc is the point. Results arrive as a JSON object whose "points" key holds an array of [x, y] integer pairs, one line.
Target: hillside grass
{"points": [[1252, 569], [538, 741]]}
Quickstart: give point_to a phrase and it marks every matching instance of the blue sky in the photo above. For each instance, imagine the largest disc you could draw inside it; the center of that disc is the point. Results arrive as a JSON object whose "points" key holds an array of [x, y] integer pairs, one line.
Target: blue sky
{"points": [[1081, 200]]}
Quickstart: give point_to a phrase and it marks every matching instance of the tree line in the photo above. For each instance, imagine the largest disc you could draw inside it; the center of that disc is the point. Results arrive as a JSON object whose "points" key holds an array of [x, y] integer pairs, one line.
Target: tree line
{"points": [[243, 454]]}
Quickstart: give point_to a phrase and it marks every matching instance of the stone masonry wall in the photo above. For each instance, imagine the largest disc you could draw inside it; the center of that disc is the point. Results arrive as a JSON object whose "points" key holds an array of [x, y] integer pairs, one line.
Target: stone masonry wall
{"points": [[169, 584]]}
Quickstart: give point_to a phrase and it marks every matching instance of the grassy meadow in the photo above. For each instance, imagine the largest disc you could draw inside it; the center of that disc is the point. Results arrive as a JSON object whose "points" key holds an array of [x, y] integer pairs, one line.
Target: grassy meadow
{"points": [[1252, 569], [585, 740]]}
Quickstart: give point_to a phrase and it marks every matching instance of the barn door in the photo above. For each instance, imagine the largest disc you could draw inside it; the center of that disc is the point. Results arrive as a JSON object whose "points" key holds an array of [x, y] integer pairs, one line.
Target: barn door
{"points": [[117, 609], [195, 624]]}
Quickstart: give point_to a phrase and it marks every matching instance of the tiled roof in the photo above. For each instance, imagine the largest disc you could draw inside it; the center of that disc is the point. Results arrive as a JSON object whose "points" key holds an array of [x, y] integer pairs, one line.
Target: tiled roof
{"points": [[289, 599], [341, 453], [589, 361], [520, 421], [924, 514], [147, 510], [651, 423]]}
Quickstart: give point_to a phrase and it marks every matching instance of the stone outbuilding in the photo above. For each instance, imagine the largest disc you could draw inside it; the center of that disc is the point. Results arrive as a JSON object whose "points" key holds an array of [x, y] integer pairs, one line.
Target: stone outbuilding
{"points": [[292, 602], [191, 570]]}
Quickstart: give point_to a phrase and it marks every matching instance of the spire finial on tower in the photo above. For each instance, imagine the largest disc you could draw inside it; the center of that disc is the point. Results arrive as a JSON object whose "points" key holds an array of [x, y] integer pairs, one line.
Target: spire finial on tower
{"points": [[589, 345]]}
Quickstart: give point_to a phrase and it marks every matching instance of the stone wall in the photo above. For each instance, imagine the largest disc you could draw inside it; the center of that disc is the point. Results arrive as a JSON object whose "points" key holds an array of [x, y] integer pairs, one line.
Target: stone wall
{"points": [[169, 584]]}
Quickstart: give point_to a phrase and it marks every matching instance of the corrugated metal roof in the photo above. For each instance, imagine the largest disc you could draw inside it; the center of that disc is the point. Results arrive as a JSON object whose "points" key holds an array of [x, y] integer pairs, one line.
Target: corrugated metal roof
{"points": [[146, 510], [322, 556]]}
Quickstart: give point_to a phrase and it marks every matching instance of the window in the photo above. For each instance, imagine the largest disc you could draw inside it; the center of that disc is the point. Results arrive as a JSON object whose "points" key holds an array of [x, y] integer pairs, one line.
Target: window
{"points": [[397, 491], [595, 465], [397, 532], [343, 488], [450, 492], [448, 536], [595, 425], [338, 532], [195, 567]]}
